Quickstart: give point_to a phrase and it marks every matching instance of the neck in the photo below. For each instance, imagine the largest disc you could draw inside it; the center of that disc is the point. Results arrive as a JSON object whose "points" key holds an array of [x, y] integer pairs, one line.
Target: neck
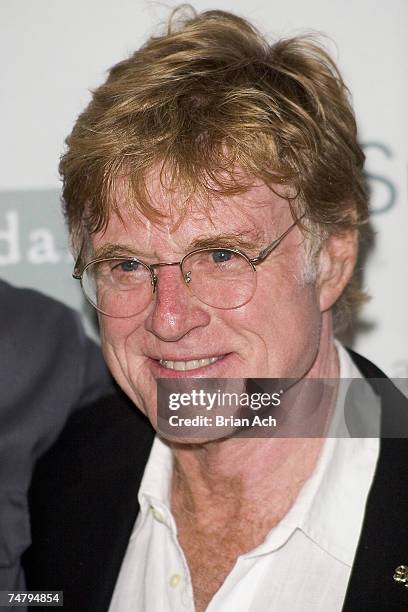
{"points": [[240, 472]]}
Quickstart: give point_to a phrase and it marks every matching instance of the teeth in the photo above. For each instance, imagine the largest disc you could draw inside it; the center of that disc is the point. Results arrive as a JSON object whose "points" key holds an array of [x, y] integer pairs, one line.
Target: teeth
{"points": [[183, 366]]}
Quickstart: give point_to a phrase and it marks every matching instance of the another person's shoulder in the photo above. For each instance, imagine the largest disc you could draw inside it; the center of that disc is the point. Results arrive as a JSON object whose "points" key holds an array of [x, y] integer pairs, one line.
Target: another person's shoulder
{"points": [[25, 310], [49, 365]]}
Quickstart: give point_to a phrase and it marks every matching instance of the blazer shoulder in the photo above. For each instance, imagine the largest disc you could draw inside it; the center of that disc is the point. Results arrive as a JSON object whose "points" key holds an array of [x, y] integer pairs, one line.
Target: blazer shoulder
{"points": [[109, 429]]}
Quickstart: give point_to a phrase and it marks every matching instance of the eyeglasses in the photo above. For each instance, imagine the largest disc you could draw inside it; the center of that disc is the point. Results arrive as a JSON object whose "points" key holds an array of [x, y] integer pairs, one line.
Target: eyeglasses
{"points": [[219, 277]]}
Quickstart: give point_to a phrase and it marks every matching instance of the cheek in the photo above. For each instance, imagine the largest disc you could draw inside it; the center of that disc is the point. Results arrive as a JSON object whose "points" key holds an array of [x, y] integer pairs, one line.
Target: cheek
{"points": [[119, 332], [114, 333], [288, 302], [283, 328], [120, 346]]}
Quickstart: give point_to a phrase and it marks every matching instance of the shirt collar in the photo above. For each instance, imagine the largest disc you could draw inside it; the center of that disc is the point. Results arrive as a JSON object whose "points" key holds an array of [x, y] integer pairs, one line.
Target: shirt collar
{"points": [[345, 473], [330, 506]]}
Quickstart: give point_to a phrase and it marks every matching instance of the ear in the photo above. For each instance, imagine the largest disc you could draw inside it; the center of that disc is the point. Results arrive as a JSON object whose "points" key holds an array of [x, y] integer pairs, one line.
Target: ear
{"points": [[337, 259]]}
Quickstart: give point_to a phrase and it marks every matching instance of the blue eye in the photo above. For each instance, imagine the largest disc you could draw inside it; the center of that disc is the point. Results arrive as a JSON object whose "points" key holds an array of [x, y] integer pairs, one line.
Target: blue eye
{"points": [[222, 256], [128, 266]]}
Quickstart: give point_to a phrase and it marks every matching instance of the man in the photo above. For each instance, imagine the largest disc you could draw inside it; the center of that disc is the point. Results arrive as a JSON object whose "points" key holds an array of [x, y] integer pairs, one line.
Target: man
{"points": [[215, 195], [49, 369]]}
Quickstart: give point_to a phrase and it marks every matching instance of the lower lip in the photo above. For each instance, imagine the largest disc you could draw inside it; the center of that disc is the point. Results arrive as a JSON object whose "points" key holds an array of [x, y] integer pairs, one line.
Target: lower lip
{"points": [[213, 370]]}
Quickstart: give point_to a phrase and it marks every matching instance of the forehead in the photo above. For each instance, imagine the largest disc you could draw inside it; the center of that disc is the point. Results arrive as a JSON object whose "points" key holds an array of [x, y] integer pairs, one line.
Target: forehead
{"points": [[256, 215]]}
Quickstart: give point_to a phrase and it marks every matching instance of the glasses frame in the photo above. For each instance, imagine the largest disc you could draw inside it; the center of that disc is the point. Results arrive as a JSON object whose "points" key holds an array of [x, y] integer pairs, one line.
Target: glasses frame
{"points": [[77, 274]]}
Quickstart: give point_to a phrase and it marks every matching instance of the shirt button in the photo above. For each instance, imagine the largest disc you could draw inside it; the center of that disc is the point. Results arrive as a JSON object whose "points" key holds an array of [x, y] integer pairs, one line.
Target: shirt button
{"points": [[175, 580], [157, 515]]}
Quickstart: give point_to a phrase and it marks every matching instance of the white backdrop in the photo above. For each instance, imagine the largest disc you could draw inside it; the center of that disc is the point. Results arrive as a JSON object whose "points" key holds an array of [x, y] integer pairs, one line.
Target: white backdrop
{"points": [[54, 51]]}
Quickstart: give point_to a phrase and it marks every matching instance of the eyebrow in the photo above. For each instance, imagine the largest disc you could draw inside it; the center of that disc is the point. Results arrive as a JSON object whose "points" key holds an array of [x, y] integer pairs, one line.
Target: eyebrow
{"points": [[235, 241], [239, 241], [109, 249]]}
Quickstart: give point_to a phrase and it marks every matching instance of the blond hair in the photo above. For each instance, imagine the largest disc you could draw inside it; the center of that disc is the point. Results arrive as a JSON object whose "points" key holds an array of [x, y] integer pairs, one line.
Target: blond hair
{"points": [[208, 96]]}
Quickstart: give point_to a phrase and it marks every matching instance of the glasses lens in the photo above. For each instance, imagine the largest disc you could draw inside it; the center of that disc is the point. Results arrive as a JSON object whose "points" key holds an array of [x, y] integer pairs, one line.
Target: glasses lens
{"points": [[117, 287], [220, 277]]}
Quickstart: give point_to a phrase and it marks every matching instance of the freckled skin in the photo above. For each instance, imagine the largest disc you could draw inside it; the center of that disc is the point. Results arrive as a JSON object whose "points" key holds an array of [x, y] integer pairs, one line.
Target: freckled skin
{"points": [[276, 334]]}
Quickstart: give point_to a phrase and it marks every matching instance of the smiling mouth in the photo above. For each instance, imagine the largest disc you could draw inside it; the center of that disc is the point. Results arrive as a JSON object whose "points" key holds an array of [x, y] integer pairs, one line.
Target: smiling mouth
{"points": [[184, 366]]}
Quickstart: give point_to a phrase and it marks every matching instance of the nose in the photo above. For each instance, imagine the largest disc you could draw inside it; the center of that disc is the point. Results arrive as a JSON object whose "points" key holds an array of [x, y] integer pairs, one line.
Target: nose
{"points": [[175, 311]]}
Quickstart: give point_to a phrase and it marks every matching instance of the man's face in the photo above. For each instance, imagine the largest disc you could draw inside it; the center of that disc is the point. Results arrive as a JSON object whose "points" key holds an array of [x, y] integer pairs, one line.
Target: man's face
{"points": [[275, 334]]}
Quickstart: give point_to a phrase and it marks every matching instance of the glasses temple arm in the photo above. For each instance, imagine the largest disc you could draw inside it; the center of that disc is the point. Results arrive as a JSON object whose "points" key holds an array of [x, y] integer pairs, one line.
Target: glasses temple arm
{"points": [[275, 243]]}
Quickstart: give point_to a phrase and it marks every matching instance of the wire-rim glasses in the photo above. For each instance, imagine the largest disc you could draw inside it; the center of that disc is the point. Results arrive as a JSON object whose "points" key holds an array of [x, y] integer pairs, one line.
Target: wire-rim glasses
{"points": [[223, 278]]}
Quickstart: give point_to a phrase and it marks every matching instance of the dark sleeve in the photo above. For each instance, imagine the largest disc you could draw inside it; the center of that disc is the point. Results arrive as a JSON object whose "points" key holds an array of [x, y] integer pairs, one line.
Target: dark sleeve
{"points": [[48, 369], [84, 502]]}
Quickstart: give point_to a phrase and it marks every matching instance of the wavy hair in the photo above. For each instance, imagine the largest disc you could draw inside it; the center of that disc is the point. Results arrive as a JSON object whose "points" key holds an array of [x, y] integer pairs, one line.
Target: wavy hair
{"points": [[204, 98]]}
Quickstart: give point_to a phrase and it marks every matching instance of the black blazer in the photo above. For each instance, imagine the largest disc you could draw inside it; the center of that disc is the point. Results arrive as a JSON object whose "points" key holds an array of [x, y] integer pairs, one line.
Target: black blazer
{"points": [[84, 504]]}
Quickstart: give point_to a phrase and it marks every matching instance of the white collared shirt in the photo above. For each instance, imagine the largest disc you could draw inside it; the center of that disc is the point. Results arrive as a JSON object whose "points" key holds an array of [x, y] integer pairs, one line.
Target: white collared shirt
{"points": [[304, 563]]}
